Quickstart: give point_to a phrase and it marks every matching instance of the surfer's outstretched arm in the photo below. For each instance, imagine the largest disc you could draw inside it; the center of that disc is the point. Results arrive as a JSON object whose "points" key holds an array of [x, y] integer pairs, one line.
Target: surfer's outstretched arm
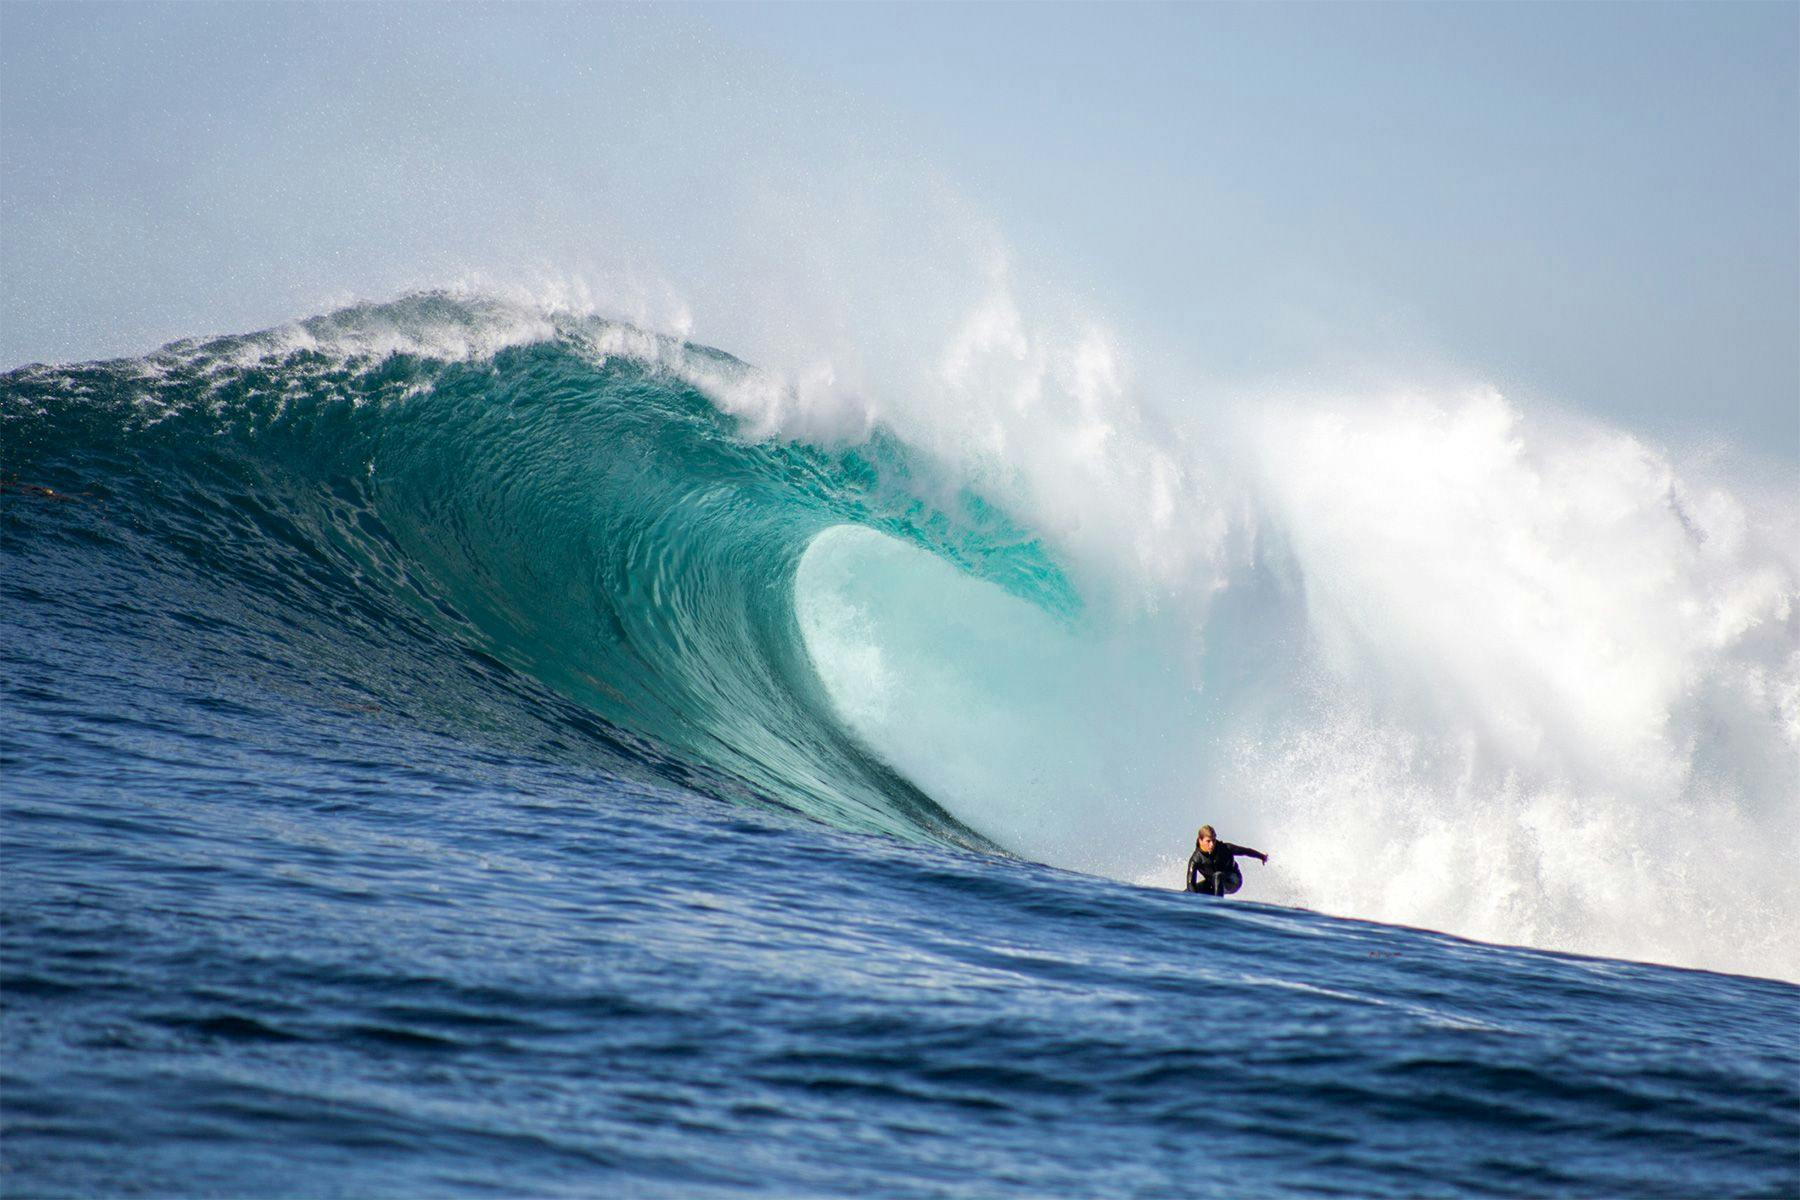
{"points": [[1245, 850]]}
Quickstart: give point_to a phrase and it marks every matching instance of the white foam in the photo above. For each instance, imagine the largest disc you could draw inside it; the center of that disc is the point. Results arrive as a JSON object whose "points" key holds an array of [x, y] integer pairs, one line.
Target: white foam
{"points": [[1507, 674], [1557, 686]]}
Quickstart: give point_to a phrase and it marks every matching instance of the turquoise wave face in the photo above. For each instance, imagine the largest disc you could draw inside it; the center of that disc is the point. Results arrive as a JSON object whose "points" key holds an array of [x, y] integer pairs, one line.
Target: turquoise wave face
{"points": [[419, 520]]}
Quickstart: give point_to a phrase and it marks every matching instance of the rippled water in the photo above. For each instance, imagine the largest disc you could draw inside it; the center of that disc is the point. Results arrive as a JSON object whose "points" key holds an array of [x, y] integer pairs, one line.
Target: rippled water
{"points": [[286, 950]]}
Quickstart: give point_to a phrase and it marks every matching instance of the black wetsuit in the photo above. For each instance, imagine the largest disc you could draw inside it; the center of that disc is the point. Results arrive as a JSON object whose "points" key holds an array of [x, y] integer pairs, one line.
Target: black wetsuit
{"points": [[1217, 874]]}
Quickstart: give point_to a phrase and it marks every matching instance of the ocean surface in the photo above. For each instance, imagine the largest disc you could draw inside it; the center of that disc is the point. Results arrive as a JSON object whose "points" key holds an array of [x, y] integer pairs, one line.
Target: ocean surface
{"points": [[451, 750]]}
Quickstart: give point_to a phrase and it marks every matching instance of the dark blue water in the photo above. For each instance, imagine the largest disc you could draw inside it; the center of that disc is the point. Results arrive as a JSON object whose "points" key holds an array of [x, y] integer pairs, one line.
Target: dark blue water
{"points": [[349, 848]]}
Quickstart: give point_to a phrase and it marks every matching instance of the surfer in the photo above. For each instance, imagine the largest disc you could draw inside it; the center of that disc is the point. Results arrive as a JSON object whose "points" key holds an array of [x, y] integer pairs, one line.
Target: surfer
{"points": [[1212, 867]]}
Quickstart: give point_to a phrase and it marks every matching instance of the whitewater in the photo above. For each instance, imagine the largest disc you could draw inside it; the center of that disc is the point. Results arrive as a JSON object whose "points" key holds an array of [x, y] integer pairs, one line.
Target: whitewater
{"points": [[470, 742]]}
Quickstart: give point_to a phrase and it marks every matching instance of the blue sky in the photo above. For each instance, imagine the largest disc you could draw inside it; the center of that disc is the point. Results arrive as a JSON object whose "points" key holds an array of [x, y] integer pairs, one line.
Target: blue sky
{"points": [[1598, 205]]}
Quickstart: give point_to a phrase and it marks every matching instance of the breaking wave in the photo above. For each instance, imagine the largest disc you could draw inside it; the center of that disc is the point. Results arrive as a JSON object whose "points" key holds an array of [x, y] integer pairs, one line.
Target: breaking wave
{"points": [[1455, 665]]}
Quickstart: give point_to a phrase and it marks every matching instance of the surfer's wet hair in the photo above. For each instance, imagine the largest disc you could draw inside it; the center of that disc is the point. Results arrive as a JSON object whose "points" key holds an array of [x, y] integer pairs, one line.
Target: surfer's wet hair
{"points": [[1207, 831]]}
